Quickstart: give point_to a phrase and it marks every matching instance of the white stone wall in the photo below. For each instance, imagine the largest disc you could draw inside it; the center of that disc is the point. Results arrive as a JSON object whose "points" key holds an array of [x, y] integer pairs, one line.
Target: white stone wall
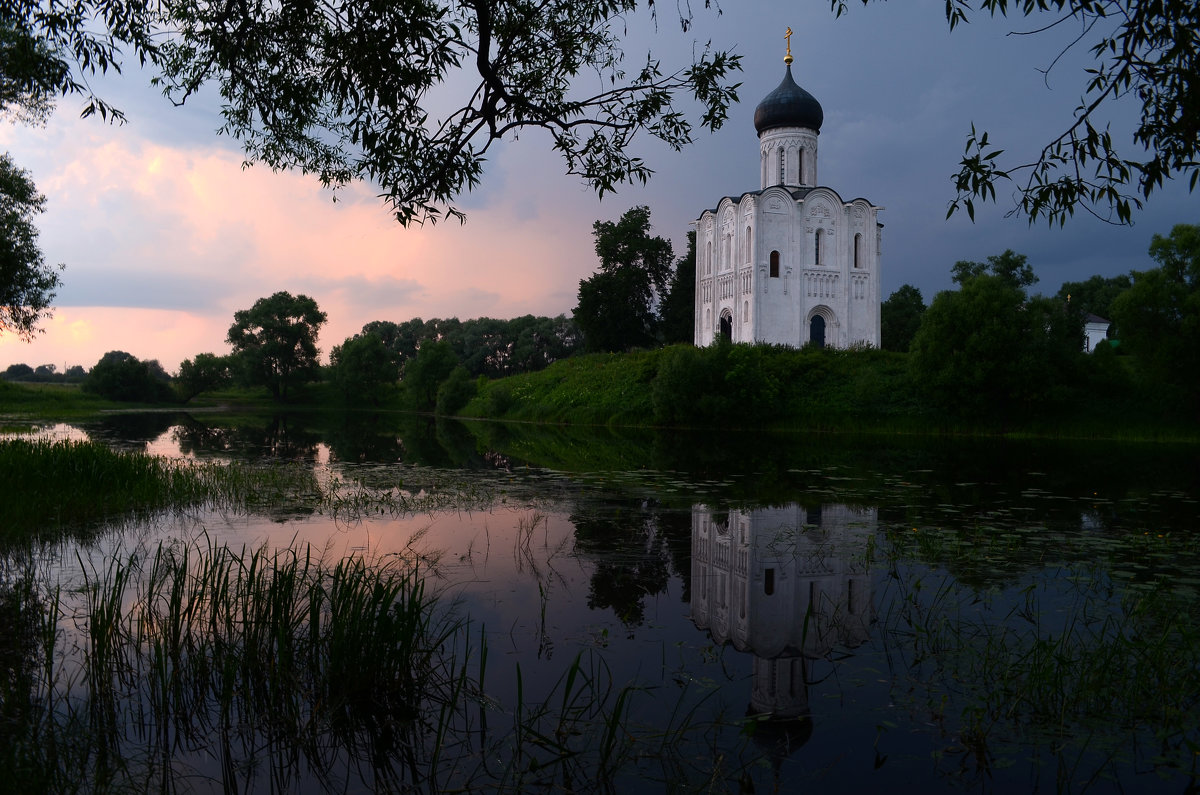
{"points": [[789, 157], [769, 262]]}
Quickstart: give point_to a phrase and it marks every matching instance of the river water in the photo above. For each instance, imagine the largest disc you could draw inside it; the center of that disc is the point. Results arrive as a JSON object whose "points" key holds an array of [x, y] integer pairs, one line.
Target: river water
{"points": [[789, 613]]}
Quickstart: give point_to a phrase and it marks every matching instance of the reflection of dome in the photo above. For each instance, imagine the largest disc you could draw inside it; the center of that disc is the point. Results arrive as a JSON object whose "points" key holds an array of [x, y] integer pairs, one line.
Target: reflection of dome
{"points": [[788, 105], [781, 737]]}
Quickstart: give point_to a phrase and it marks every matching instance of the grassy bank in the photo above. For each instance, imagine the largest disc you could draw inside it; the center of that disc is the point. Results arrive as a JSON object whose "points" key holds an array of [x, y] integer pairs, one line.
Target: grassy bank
{"points": [[20, 403], [767, 387]]}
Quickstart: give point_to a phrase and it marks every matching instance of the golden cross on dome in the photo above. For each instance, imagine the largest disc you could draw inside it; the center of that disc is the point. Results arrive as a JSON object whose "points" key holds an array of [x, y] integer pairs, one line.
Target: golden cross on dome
{"points": [[788, 36]]}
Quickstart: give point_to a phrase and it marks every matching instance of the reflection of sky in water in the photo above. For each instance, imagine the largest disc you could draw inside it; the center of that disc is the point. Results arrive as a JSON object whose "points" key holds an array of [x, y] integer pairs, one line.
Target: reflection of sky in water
{"points": [[724, 621]]}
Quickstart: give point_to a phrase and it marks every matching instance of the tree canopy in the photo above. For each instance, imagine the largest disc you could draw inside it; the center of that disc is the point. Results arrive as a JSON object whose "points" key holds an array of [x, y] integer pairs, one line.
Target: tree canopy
{"points": [[207, 371], [1096, 295], [409, 95], [1145, 51], [900, 317], [617, 306], [276, 341], [1158, 317], [677, 312], [27, 283], [363, 369], [989, 350], [122, 376]]}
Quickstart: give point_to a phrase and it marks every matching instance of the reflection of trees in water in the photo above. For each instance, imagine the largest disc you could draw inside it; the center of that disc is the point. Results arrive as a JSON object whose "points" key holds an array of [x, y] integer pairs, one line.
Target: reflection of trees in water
{"points": [[636, 545], [282, 437], [362, 438], [131, 431], [23, 621]]}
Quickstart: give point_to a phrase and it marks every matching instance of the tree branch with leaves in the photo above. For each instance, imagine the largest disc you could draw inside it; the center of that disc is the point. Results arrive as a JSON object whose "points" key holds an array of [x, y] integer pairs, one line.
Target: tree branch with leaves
{"points": [[413, 95], [1145, 51]]}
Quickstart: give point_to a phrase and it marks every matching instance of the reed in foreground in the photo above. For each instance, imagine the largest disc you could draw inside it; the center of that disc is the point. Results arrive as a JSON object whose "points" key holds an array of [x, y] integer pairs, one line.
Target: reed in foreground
{"points": [[49, 486], [246, 670]]}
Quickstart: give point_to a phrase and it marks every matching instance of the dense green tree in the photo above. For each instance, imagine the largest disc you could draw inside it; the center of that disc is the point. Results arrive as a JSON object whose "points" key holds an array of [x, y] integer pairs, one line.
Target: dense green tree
{"points": [[202, 374], [364, 370], [453, 393], [27, 283], [612, 313], [276, 341], [122, 376], [987, 350], [1142, 50], [1009, 267], [485, 346], [616, 308], [1158, 317], [538, 342], [900, 317], [425, 373], [677, 314], [18, 372], [1094, 296]]}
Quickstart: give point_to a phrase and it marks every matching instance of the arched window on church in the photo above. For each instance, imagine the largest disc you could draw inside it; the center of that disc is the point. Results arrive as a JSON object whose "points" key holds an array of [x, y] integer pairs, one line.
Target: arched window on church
{"points": [[782, 166], [774, 264], [800, 167], [708, 257], [858, 251], [817, 248], [746, 247]]}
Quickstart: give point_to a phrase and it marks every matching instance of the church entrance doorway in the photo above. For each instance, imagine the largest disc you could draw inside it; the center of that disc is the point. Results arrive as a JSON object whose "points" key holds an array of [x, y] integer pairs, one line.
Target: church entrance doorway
{"points": [[726, 327], [816, 332]]}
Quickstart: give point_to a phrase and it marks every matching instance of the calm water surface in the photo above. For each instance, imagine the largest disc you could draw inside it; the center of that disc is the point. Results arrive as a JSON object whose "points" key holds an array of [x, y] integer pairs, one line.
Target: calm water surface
{"points": [[805, 613]]}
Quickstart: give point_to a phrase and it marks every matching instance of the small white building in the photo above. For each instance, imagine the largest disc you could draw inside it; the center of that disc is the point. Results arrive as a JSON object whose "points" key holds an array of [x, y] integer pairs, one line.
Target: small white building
{"points": [[791, 263], [1095, 331]]}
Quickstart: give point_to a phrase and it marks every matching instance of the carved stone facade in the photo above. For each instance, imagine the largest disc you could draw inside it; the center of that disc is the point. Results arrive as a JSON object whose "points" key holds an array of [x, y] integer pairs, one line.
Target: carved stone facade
{"points": [[791, 263]]}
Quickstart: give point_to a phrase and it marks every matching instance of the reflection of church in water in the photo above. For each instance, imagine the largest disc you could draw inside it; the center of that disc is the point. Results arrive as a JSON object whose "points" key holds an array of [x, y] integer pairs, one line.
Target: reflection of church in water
{"points": [[791, 263], [787, 585]]}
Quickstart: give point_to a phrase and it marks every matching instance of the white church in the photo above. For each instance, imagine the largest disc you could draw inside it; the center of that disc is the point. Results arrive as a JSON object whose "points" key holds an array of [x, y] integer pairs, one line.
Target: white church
{"points": [[791, 263]]}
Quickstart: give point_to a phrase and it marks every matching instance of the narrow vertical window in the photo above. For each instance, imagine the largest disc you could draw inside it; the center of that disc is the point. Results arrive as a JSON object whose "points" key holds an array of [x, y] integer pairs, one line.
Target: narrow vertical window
{"points": [[708, 257], [746, 248], [774, 264], [817, 248], [769, 582], [800, 168], [782, 164], [858, 251]]}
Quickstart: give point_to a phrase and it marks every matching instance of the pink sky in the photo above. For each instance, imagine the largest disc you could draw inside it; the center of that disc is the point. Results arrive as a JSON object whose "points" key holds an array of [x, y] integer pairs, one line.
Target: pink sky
{"points": [[175, 239]]}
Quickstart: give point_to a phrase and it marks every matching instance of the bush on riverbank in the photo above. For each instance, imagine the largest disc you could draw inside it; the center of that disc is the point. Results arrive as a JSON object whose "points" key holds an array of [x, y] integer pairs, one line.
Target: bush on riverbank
{"points": [[758, 386], [731, 386]]}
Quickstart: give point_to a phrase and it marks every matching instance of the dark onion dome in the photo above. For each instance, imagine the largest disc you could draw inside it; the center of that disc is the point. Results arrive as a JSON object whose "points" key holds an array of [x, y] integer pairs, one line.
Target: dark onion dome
{"points": [[789, 105]]}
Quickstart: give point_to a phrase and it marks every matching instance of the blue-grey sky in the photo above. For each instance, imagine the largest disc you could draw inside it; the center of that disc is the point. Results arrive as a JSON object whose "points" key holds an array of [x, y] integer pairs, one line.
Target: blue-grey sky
{"points": [[165, 235]]}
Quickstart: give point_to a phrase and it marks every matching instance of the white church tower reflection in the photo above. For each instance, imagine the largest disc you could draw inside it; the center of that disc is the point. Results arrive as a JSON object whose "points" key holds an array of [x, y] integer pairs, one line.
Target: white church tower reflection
{"points": [[787, 585]]}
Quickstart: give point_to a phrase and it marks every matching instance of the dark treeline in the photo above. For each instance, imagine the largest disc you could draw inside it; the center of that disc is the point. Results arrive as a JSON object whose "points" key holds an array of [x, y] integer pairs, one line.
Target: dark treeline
{"points": [[485, 346], [988, 350], [44, 374]]}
